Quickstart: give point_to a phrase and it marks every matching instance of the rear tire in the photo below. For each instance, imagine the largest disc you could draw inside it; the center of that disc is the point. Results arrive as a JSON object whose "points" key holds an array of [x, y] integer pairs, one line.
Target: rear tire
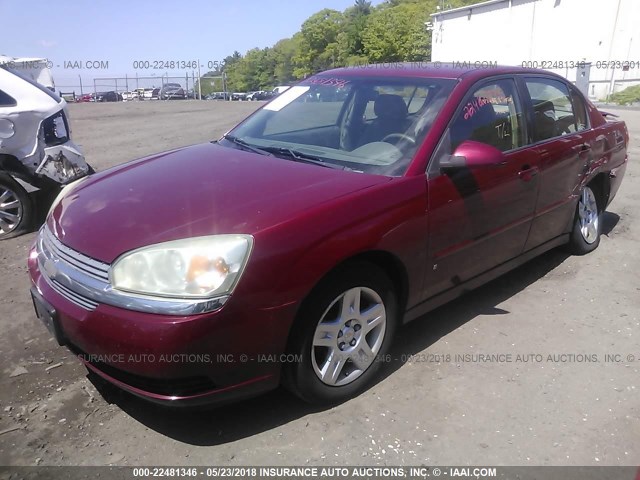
{"points": [[16, 208], [341, 335], [587, 224]]}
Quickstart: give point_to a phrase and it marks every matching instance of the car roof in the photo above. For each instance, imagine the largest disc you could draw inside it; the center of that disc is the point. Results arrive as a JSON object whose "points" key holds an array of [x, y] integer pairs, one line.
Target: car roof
{"points": [[449, 70]]}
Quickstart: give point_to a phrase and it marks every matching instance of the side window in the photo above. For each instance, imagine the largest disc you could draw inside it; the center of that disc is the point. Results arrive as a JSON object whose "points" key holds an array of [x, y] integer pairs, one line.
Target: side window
{"points": [[552, 109], [580, 109], [492, 114], [6, 100]]}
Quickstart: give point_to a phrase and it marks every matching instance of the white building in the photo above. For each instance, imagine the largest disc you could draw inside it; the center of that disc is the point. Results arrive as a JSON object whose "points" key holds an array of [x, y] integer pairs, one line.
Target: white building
{"points": [[558, 35]]}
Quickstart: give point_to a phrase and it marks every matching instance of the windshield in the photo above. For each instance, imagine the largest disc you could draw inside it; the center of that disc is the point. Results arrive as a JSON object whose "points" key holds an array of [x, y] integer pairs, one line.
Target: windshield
{"points": [[367, 124]]}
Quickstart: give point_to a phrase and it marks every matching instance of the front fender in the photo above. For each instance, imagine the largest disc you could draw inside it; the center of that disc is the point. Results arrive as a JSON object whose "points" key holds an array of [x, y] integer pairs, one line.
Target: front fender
{"points": [[389, 218]]}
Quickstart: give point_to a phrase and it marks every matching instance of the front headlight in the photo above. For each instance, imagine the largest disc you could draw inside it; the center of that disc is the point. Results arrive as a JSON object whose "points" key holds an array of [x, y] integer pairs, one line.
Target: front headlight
{"points": [[201, 267], [54, 129]]}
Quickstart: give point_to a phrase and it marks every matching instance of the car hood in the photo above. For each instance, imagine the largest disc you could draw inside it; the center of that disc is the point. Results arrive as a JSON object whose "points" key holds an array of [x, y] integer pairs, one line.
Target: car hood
{"points": [[200, 190]]}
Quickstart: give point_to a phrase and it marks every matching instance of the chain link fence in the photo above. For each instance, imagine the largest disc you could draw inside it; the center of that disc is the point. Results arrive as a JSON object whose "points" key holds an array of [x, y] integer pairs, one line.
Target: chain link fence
{"points": [[140, 88]]}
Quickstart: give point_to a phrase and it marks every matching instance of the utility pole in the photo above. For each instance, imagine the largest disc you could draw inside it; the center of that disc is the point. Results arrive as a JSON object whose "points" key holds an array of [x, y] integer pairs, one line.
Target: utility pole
{"points": [[612, 83], [199, 82]]}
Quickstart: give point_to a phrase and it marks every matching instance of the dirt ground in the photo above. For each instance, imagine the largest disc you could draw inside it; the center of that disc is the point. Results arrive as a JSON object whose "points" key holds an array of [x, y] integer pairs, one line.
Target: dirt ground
{"points": [[558, 400]]}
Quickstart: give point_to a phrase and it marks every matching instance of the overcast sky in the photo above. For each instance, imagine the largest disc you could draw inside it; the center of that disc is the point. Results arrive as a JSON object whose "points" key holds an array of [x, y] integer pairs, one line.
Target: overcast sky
{"points": [[122, 33]]}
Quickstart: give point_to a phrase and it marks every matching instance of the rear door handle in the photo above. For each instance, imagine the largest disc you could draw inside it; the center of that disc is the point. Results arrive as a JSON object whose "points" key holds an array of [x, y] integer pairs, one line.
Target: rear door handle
{"points": [[585, 147]]}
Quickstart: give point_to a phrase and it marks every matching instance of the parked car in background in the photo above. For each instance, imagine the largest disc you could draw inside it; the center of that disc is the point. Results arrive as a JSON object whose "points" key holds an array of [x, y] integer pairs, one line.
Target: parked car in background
{"points": [[280, 89], [148, 93], [219, 96], [144, 93], [266, 96], [36, 151], [259, 95], [87, 97], [238, 96], [110, 96], [128, 96], [171, 91], [290, 250]]}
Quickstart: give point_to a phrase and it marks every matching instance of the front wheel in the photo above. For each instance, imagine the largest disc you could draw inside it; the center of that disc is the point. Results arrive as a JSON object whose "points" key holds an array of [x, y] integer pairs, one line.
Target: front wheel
{"points": [[587, 225], [15, 208], [342, 334]]}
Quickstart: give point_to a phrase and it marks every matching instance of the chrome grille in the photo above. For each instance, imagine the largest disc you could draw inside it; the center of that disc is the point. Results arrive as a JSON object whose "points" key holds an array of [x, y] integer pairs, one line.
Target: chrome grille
{"points": [[84, 281], [72, 296], [69, 260], [81, 262]]}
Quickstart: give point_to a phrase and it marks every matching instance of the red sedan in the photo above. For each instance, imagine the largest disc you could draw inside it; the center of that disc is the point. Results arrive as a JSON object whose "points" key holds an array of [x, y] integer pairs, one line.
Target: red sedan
{"points": [[87, 97], [290, 250]]}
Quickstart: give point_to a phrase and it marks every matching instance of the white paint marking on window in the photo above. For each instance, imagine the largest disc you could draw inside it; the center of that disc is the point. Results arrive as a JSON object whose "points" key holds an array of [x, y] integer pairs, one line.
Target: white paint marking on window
{"points": [[286, 98]]}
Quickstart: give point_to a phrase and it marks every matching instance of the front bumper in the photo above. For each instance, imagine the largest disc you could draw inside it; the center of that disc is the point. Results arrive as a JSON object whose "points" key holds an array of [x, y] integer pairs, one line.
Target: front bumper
{"points": [[52, 167], [212, 357], [63, 163]]}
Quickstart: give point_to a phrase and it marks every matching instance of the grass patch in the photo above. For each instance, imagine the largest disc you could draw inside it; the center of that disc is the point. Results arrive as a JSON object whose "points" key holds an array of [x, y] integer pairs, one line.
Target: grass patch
{"points": [[627, 96]]}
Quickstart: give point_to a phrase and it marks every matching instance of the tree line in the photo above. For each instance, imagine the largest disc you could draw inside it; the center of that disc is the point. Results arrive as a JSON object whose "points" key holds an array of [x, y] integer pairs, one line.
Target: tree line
{"points": [[392, 31]]}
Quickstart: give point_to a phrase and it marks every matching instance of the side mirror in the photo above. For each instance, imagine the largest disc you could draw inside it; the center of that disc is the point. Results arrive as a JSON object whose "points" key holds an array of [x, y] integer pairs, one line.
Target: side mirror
{"points": [[452, 162], [470, 154]]}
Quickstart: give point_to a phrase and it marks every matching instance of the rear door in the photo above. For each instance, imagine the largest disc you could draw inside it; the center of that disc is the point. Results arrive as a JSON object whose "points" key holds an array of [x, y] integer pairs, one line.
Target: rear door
{"points": [[560, 135], [480, 217]]}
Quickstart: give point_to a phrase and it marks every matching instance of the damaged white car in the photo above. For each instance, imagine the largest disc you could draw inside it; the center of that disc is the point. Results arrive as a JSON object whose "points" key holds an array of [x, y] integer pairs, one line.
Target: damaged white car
{"points": [[36, 152]]}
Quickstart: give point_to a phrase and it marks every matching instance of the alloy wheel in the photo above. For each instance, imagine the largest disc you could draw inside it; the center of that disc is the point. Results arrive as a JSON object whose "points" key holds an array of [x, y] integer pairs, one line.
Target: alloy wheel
{"points": [[348, 336], [10, 210], [588, 215]]}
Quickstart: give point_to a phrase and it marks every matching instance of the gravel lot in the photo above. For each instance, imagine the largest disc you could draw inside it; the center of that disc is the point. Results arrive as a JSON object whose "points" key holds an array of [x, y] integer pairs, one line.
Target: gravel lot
{"points": [[432, 409]]}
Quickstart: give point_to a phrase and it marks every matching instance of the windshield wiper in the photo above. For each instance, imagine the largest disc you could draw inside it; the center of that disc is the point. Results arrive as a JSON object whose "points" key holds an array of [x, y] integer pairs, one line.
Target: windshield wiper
{"points": [[302, 157], [296, 155], [247, 146]]}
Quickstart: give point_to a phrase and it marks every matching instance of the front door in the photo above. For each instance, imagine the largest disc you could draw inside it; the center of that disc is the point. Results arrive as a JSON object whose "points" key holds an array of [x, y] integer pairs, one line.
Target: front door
{"points": [[479, 217]]}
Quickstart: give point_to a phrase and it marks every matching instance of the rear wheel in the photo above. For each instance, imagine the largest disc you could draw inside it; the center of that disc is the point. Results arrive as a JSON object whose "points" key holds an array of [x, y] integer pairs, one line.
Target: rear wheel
{"points": [[15, 208], [587, 225], [342, 333]]}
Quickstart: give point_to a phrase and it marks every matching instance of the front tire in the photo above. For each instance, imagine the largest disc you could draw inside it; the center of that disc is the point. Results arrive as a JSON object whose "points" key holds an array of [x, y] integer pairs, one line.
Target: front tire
{"points": [[587, 224], [16, 209], [342, 332]]}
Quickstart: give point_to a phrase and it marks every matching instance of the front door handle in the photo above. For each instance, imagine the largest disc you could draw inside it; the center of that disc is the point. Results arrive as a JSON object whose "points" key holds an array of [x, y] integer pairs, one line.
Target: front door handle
{"points": [[527, 173]]}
